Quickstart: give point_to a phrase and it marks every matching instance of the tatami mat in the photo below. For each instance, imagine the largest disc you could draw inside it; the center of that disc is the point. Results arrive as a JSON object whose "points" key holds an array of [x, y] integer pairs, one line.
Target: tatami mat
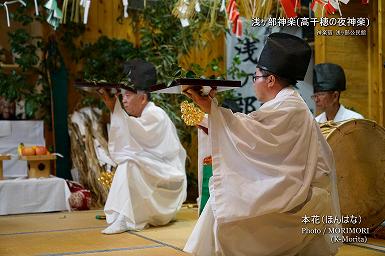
{"points": [[78, 233], [163, 251], [378, 242], [25, 223], [60, 242], [352, 250], [176, 233]]}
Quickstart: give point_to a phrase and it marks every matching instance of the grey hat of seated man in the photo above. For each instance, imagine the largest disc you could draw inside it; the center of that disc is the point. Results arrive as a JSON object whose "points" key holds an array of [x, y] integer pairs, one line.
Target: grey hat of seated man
{"points": [[140, 75], [328, 77]]}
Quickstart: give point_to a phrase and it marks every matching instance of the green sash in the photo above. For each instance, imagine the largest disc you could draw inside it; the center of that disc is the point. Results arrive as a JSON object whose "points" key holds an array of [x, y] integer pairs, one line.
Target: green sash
{"points": [[205, 193]]}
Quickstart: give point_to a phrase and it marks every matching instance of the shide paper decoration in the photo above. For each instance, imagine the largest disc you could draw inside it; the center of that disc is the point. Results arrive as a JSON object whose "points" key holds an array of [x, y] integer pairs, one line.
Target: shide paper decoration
{"points": [[54, 13]]}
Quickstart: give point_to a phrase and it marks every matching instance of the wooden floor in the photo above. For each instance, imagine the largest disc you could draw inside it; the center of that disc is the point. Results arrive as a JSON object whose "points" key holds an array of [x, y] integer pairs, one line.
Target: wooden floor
{"points": [[79, 233]]}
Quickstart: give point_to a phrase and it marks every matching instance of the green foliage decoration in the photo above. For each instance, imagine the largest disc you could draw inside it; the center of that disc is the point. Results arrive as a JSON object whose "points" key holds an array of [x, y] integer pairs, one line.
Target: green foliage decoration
{"points": [[12, 85], [104, 59], [29, 81]]}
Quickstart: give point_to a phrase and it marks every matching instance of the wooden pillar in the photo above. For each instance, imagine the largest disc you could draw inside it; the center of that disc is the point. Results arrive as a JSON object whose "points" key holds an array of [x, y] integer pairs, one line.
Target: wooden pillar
{"points": [[381, 56], [376, 63]]}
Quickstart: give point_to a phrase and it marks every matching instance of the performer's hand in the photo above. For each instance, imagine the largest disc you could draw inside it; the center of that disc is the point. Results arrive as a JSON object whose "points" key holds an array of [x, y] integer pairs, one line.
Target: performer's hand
{"points": [[108, 100], [204, 102]]}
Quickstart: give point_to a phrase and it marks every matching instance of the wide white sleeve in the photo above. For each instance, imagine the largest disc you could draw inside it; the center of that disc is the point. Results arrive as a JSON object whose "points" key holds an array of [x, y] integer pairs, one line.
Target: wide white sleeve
{"points": [[153, 134], [150, 129], [262, 164]]}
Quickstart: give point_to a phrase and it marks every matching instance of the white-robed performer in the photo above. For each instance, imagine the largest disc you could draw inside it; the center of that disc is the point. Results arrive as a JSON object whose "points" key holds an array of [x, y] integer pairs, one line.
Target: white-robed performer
{"points": [[149, 185], [328, 83], [273, 177]]}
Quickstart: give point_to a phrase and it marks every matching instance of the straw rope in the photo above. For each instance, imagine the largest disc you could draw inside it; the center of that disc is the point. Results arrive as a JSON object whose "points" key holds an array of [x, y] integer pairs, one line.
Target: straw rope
{"points": [[85, 160], [257, 8], [184, 9]]}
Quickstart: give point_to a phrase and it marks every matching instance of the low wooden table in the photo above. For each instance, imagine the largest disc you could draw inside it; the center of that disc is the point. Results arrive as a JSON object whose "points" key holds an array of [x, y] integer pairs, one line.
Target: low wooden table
{"points": [[2, 158], [39, 166]]}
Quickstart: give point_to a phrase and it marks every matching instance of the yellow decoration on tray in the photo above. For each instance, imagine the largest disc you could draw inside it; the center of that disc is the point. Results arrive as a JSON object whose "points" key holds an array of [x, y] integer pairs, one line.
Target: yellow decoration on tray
{"points": [[191, 114], [106, 179]]}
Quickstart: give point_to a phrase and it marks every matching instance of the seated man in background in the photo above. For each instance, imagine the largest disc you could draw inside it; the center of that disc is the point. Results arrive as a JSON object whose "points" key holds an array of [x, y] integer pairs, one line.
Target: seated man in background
{"points": [[329, 81], [149, 185]]}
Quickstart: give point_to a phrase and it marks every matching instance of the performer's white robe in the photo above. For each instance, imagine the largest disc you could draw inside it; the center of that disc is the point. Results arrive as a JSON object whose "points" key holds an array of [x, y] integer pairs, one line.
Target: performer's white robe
{"points": [[149, 185], [204, 150], [271, 168]]}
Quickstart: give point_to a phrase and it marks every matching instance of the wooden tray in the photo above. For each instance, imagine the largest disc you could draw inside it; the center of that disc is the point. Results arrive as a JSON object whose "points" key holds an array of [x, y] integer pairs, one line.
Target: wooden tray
{"points": [[5, 157], [181, 85], [97, 85]]}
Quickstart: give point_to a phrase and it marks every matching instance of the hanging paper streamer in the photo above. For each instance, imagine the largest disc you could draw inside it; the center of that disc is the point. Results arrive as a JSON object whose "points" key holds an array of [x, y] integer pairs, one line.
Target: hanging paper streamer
{"points": [[289, 7], [86, 5], [185, 10], [125, 8], [197, 6], [336, 5], [223, 6], [7, 13], [230, 6], [54, 13], [239, 28], [87, 8], [322, 8], [327, 7], [5, 4], [234, 20], [233, 16], [183, 21], [36, 8]]}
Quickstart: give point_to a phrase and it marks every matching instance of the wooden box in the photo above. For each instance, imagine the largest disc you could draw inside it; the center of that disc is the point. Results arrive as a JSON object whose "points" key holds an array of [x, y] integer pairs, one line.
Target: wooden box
{"points": [[39, 166]]}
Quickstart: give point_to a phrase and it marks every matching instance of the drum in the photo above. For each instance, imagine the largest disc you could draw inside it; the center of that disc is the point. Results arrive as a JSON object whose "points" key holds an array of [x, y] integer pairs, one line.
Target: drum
{"points": [[359, 151]]}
